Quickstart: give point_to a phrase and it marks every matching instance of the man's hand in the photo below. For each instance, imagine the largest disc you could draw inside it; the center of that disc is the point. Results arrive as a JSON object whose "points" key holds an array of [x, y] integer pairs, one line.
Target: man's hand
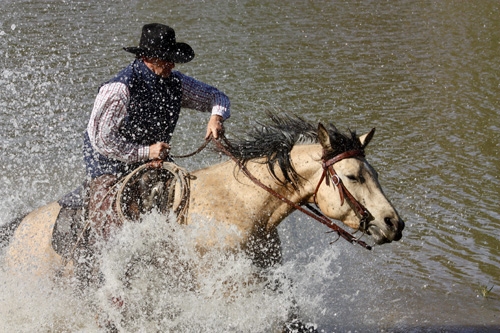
{"points": [[215, 127], [159, 150]]}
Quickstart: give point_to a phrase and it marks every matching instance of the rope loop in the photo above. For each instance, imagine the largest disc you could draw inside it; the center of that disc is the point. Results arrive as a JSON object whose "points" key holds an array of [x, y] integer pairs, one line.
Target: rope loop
{"points": [[181, 182]]}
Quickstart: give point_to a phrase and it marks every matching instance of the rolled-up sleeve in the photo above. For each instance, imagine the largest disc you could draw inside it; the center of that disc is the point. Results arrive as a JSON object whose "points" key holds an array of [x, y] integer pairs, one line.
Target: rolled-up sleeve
{"points": [[203, 97]]}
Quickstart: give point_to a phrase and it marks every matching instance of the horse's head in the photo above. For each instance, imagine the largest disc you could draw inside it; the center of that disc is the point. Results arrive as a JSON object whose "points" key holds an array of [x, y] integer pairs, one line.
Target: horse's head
{"points": [[350, 191]]}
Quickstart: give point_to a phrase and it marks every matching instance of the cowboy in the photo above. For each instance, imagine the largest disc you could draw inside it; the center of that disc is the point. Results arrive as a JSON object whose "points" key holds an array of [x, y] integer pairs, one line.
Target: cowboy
{"points": [[135, 114]]}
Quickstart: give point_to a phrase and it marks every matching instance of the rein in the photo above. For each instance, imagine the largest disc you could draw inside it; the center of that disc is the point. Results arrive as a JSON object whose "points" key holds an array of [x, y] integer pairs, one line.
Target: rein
{"points": [[203, 146], [315, 214]]}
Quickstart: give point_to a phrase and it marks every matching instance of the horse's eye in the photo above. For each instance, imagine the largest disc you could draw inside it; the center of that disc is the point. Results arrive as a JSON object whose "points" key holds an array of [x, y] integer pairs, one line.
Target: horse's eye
{"points": [[353, 178]]}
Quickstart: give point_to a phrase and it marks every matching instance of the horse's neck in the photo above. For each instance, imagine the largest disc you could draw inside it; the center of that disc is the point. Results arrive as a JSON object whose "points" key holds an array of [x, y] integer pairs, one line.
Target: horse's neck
{"points": [[306, 160], [223, 192]]}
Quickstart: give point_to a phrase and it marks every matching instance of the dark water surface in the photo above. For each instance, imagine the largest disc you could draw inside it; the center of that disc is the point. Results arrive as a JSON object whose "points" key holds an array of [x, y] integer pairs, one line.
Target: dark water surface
{"points": [[426, 74]]}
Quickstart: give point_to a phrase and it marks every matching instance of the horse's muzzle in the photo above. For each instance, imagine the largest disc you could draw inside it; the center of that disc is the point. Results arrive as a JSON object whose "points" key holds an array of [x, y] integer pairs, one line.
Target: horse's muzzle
{"points": [[391, 230]]}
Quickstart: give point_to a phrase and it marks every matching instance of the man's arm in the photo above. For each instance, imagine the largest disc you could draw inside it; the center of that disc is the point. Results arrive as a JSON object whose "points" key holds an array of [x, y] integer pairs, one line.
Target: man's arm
{"points": [[203, 97], [109, 112]]}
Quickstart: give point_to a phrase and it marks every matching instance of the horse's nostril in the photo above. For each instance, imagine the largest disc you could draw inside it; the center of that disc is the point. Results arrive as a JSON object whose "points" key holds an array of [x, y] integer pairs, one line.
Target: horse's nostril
{"points": [[395, 224]]}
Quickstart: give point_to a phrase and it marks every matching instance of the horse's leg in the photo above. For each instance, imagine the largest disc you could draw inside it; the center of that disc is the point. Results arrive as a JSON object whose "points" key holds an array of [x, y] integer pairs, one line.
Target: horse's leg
{"points": [[293, 322], [264, 248], [295, 326]]}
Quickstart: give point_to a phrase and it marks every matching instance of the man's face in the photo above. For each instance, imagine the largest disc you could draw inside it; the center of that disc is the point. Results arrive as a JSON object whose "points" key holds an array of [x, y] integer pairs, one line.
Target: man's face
{"points": [[160, 67], [166, 67]]}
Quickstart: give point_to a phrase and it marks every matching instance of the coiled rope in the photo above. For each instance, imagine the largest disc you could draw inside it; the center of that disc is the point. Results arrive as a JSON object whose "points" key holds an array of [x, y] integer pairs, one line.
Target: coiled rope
{"points": [[181, 182]]}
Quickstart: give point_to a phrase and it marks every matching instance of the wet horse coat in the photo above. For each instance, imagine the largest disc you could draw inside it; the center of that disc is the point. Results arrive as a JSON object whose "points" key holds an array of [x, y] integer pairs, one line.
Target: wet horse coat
{"points": [[286, 156]]}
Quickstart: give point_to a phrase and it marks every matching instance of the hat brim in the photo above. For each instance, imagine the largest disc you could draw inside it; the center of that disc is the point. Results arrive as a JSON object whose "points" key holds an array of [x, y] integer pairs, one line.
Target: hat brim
{"points": [[181, 53]]}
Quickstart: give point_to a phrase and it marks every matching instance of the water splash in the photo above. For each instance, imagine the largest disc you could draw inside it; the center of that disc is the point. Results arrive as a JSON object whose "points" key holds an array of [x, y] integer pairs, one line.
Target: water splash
{"points": [[162, 283]]}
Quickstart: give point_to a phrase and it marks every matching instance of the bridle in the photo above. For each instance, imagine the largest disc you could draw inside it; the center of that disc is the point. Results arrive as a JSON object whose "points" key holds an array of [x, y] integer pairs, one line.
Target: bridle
{"points": [[328, 169], [330, 175]]}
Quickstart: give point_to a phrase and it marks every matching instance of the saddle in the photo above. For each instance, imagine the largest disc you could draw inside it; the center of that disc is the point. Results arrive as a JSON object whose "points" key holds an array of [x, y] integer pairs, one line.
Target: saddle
{"points": [[150, 186]]}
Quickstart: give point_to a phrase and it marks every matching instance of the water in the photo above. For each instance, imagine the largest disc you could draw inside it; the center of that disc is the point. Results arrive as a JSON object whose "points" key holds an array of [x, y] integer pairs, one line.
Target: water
{"points": [[425, 74]]}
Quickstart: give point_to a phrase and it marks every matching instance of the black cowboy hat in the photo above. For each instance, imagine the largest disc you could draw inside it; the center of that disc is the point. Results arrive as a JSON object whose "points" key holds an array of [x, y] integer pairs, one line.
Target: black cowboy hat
{"points": [[158, 41]]}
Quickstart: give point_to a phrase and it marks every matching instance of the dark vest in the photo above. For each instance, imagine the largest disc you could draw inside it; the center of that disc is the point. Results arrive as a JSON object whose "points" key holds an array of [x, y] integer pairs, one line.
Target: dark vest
{"points": [[154, 108]]}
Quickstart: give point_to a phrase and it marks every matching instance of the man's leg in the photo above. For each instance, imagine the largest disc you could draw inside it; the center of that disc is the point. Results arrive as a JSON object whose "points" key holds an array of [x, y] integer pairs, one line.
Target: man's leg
{"points": [[102, 214]]}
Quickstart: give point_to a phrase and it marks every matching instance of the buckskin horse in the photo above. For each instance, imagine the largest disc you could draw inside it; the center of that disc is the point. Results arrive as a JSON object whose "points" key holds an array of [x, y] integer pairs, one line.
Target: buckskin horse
{"points": [[279, 167]]}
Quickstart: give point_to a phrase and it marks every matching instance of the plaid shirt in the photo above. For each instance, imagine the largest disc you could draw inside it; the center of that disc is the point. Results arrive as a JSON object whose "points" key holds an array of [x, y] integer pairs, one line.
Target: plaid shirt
{"points": [[110, 110]]}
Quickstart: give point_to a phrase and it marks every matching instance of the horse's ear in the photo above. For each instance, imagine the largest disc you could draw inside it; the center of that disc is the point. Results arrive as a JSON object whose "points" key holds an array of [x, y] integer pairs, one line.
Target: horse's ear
{"points": [[324, 137], [366, 138]]}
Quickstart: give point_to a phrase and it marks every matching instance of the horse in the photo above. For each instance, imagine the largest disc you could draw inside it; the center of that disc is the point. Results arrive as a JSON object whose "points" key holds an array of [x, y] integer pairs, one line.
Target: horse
{"points": [[277, 168]]}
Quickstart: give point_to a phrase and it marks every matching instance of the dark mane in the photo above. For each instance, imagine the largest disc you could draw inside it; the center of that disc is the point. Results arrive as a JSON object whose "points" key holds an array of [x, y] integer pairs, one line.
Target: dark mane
{"points": [[274, 140]]}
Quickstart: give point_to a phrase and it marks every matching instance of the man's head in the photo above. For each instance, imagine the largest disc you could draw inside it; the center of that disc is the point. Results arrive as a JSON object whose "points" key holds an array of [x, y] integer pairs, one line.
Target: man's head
{"points": [[159, 66], [158, 41]]}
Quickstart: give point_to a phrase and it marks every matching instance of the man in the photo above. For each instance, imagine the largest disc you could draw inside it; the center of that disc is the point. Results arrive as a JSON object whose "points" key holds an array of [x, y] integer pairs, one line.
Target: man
{"points": [[135, 114]]}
